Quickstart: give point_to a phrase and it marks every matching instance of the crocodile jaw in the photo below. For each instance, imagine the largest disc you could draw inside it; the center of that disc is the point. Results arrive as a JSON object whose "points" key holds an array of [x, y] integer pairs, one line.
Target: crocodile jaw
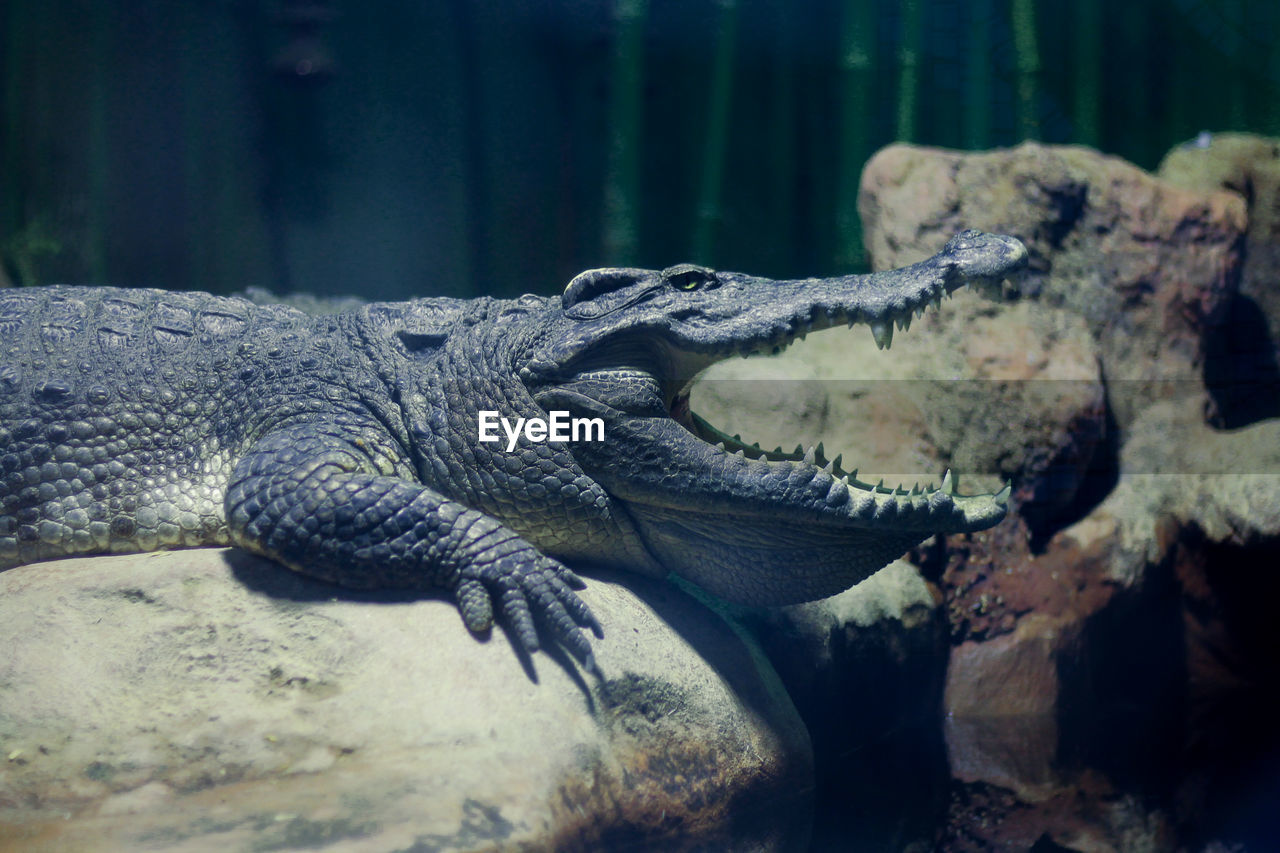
{"points": [[749, 525]]}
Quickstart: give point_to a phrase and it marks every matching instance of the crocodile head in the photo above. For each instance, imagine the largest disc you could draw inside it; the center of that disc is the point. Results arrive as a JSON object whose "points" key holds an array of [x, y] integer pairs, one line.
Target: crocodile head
{"points": [[624, 345]]}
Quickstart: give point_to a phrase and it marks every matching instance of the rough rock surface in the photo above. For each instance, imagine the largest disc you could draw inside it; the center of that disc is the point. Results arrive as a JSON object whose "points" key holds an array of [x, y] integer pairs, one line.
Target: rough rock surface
{"points": [[1244, 376], [1149, 267], [199, 700], [1248, 165], [1083, 633]]}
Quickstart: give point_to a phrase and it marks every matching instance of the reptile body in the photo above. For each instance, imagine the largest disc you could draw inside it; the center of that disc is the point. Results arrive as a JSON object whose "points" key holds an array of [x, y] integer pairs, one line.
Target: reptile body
{"points": [[346, 446]]}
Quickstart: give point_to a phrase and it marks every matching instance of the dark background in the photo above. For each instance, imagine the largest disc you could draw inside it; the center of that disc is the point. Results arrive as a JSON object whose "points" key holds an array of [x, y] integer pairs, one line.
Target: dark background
{"points": [[393, 149]]}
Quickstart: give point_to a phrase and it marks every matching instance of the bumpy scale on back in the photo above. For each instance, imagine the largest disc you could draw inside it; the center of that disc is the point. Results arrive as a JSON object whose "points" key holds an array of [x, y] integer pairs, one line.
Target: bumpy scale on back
{"points": [[346, 446]]}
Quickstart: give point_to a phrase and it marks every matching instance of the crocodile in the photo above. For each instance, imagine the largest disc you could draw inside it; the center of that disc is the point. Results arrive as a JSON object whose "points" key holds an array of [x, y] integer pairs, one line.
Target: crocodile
{"points": [[346, 446]]}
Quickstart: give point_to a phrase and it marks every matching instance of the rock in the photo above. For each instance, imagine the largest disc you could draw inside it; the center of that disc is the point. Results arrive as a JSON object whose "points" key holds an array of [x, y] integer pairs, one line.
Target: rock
{"points": [[1148, 266], [1087, 817], [1224, 483], [1031, 407], [1014, 674], [1081, 654], [1087, 623], [1249, 166], [210, 700], [1243, 373], [1014, 752]]}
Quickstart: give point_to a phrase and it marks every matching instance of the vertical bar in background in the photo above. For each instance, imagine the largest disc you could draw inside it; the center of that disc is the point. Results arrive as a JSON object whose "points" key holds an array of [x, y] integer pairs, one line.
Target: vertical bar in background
{"points": [[1233, 11], [782, 139], [909, 70], [1133, 105], [622, 165], [857, 69], [1086, 111], [466, 92], [976, 115], [13, 40], [1022, 15], [101, 33], [708, 213]]}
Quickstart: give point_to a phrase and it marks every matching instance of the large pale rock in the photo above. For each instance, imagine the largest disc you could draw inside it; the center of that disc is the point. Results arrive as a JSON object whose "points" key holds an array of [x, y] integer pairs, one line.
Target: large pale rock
{"points": [[1149, 267], [203, 700]]}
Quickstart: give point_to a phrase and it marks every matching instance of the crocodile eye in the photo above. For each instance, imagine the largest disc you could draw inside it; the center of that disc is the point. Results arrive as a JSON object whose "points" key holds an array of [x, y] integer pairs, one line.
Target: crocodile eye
{"points": [[689, 277]]}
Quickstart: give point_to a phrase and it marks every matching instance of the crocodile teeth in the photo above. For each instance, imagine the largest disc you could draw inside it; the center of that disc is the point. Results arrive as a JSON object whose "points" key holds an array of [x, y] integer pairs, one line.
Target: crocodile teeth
{"points": [[948, 486], [740, 454], [883, 333], [720, 446], [904, 322], [829, 469], [810, 457], [1003, 495]]}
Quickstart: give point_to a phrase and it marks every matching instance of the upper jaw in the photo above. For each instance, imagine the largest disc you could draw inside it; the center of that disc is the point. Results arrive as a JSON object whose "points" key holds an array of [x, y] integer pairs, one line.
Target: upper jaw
{"points": [[891, 299]]}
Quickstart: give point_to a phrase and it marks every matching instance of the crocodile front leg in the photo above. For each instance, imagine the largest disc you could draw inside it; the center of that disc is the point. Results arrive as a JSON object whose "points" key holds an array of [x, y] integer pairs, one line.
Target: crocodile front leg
{"points": [[312, 497]]}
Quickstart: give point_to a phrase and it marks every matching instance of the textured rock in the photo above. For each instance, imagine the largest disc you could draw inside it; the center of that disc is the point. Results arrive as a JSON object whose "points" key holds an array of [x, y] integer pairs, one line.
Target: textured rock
{"points": [[1013, 674], [1134, 580], [1148, 266], [191, 701], [1248, 165], [1244, 358]]}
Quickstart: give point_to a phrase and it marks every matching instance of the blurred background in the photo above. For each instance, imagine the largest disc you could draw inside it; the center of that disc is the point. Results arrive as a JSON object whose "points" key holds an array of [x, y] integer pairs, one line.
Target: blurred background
{"points": [[460, 147]]}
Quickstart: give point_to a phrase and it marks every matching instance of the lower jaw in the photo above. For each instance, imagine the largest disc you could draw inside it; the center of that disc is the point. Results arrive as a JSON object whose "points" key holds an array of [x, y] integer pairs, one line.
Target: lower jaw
{"points": [[764, 561]]}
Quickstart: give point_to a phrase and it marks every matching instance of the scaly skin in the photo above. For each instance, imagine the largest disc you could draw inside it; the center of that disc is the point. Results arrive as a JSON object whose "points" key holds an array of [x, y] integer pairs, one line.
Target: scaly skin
{"points": [[346, 446]]}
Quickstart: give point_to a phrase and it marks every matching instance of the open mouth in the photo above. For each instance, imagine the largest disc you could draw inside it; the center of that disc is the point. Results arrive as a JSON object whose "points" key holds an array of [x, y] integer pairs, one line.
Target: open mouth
{"points": [[815, 455], [940, 503]]}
